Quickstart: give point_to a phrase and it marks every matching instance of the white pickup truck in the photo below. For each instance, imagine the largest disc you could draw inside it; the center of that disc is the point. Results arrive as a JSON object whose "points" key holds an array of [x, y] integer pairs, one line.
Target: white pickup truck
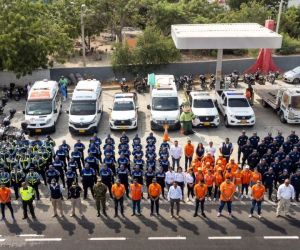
{"points": [[284, 100], [235, 108]]}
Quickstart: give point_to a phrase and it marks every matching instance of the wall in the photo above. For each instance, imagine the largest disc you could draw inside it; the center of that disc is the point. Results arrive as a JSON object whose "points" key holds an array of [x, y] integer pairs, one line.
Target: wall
{"points": [[7, 77]]}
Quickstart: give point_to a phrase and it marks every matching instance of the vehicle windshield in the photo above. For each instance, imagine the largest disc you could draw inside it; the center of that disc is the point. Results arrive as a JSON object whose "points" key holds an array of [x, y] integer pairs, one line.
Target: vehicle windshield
{"points": [[238, 103], [165, 103], [39, 107], [208, 103], [123, 106], [83, 108], [295, 102]]}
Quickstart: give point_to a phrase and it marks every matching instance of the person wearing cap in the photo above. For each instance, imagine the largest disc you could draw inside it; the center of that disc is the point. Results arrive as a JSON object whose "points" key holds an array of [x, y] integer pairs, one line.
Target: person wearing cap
{"points": [[285, 194], [218, 179], [200, 190], [136, 191], [254, 140], [227, 190], [226, 149], [246, 150], [237, 180], [56, 197], [5, 201], [268, 180], [175, 153], [175, 196], [154, 192], [34, 180], [246, 179], [295, 182], [118, 191], [242, 140], [188, 153], [293, 137], [27, 196], [100, 191], [74, 193], [17, 176], [258, 191]]}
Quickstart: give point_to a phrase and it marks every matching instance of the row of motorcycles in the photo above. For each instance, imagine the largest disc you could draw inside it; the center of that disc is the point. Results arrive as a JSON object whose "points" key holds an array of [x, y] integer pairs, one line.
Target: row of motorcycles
{"points": [[261, 79], [14, 92], [140, 84]]}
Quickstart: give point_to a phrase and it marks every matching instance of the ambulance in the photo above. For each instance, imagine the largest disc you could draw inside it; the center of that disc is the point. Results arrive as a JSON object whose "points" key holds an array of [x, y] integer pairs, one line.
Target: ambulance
{"points": [[43, 107]]}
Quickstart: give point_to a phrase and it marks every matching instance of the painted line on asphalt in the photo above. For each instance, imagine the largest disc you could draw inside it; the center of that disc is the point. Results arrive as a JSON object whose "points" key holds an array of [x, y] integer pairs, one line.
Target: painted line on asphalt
{"points": [[281, 237], [167, 238], [108, 238], [30, 235], [44, 239], [225, 238], [2, 240]]}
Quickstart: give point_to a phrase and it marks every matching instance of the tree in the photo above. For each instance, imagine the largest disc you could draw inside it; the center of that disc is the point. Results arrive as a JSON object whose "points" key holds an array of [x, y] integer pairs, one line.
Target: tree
{"points": [[152, 50], [273, 4], [290, 22], [30, 37]]}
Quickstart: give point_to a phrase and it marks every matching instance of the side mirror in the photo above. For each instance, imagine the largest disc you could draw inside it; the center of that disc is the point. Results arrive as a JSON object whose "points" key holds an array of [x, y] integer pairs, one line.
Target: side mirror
{"points": [[148, 106], [55, 111], [67, 111], [23, 112]]}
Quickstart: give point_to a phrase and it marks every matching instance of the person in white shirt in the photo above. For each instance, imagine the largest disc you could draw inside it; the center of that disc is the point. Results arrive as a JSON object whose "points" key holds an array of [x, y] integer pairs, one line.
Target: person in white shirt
{"points": [[170, 177], [180, 179], [190, 182], [174, 196], [210, 149], [176, 153], [285, 194]]}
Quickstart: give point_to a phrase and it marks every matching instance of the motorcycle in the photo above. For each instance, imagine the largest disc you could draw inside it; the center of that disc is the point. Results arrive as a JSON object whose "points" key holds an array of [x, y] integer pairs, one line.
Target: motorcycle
{"points": [[271, 77], [261, 80], [124, 86], [234, 78], [212, 83], [202, 80], [187, 87], [249, 79], [141, 86]]}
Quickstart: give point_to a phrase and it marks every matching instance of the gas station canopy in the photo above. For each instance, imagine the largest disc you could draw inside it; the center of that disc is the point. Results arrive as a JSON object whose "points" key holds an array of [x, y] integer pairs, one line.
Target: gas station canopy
{"points": [[224, 36]]}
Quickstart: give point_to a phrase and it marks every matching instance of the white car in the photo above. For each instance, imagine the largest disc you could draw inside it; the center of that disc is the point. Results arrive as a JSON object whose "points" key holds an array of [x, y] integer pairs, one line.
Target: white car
{"points": [[124, 114], [292, 76], [204, 108], [235, 108]]}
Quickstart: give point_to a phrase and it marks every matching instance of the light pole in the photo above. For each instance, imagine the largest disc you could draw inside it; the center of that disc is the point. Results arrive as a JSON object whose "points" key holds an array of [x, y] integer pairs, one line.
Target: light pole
{"points": [[83, 9], [279, 15]]}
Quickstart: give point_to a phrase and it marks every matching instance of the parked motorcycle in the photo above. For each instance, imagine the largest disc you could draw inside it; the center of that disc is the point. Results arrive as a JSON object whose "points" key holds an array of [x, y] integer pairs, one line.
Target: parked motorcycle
{"points": [[212, 83], [271, 77], [124, 86], [261, 80], [202, 80]]}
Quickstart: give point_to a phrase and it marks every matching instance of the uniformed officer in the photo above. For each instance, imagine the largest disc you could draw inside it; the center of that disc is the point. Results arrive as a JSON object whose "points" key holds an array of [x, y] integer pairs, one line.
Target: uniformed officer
{"points": [[287, 146], [109, 140], [276, 169], [88, 179], [268, 180], [70, 177], [124, 161], [4, 177], [150, 148], [269, 156], [246, 150], [253, 159], [61, 168], [67, 149], [136, 139], [294, 157], [123, 173], [110, 163], [139, 162], [268, 139], [17, 178], [77, 156], [151, 163], [107, 177], [93, 162], [262, 166], [149, 175], [242, 140], [34, 180], [151, 139], [27, 196], [94, 151], [295, 181], [62, 155], [279, 138], [274, 146], [262, 148], [124, 137], [80, 146], [285, 175], [100, 190], [280, 154], [160, 178], [74, 166], [52, 173], [293, 137], [164, 164], [286, 163], [40, 166]]}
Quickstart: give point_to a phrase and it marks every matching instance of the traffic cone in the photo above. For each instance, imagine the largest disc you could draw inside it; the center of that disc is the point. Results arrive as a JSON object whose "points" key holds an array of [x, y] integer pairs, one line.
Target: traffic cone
{"points": [[166, 134]]}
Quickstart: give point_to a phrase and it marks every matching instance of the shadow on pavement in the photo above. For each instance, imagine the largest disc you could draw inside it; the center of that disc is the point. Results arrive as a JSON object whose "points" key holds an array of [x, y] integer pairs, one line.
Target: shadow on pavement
{"points": [[187, 225], [167, 223], [130, 225], [67, 225], [215, 226], [148, 223], [13, 228], [83, 222], [37, 226], [110, 223]]}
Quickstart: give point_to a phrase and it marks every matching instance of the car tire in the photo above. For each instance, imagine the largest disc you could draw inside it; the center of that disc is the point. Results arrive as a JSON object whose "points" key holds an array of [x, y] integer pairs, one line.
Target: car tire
{"points": [[281, 117], [296, 81], [226, 122], [53, 129]]}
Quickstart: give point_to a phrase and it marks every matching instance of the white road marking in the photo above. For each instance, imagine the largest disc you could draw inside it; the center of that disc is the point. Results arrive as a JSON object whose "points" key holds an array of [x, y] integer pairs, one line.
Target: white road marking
{"points": [[167, 238], [225, 238], [108, 238], [2, 240], [44, 239], [281, 237], [30, 235]]}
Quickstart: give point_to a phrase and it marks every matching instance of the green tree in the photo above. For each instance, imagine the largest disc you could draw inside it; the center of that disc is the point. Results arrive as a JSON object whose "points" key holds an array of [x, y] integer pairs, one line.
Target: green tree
{"points": [[289, 45], [30, 37], [290, 22], [236, 4], [122, 57]]}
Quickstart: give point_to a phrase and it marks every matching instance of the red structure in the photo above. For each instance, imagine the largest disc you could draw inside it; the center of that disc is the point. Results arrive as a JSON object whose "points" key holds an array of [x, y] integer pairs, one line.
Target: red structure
{"points": [[264, 60]]}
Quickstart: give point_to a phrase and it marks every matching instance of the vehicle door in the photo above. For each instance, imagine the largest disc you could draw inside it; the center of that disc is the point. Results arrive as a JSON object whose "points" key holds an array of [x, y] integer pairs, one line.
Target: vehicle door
{"points": [[57, 106]]}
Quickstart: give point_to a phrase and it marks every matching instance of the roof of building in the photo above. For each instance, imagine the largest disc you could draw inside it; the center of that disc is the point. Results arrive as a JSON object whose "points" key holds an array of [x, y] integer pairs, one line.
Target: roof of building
{"points": [[224, 36]]}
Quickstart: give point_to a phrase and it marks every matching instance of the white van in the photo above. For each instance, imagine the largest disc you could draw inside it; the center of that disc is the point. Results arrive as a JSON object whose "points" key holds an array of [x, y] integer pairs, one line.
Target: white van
{"points": [[203, 106], [86, 107], [43, 106], [164, 107], [124, 113]]}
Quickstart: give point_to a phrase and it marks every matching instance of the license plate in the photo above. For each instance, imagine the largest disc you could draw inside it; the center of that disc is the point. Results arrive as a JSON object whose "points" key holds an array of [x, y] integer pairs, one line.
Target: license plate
{"points": [[206, 123], [124, 127], [38, 130], [81, 131], [243, 121]]}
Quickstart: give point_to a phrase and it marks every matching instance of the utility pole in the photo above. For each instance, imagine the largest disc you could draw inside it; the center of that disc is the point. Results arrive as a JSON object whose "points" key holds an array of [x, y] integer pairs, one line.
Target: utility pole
{"points": [[279, 15], [83, 9]]}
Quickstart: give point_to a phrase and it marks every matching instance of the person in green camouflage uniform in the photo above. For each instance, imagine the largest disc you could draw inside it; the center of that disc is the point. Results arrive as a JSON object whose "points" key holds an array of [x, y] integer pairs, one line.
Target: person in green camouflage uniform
{"points": [[100, 190]]}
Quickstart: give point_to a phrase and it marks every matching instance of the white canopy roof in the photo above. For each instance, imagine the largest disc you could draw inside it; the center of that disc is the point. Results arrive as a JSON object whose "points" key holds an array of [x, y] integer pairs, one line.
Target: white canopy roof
{"points": [[224, 36]]}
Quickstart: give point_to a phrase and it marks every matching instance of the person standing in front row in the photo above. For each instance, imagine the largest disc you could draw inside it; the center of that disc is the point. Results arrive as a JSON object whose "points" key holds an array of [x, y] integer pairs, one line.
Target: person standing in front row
{"points": [[136, 191], [176, 153], [27, 196], [100, 190], [188, 153], [258, 191], [285, 194], [5, 200], [154, 191], [74, 194], [200, 191], [118, 191], [56, 197], [226, 149], [227, 190], [175, 196]]}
